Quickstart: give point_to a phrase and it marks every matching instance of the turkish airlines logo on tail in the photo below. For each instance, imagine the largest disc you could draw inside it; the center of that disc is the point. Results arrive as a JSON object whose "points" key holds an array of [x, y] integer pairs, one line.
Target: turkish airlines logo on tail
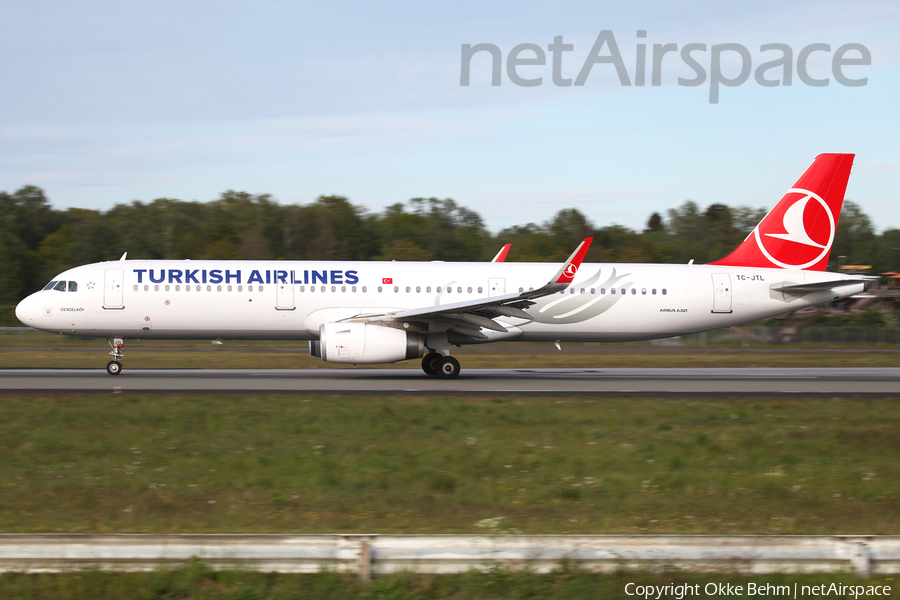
{"points": [[570, 270], [799, 232]]}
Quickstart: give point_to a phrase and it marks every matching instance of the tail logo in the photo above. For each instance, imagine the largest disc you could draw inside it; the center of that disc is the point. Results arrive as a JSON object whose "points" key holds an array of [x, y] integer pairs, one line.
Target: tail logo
{"points": [[798, 233], [571, 270]]}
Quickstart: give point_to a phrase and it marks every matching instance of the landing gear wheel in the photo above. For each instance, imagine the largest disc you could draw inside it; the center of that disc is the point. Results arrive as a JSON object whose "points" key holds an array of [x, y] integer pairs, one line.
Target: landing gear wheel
{"points": [[113, 367], [429, 363], [447, 367]]}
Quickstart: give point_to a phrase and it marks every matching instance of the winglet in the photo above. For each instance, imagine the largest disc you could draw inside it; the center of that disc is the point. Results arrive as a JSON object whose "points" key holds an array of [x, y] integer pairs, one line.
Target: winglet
{"points": [[564, 276], [569, 269], [501, 256]]}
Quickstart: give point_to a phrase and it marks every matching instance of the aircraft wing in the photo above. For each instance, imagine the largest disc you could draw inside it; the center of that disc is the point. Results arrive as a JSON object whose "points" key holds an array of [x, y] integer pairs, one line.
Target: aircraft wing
{"points": [[469, 316]]}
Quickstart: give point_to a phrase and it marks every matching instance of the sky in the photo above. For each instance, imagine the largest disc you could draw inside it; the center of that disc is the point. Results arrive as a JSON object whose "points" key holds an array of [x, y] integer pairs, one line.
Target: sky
{"points": [[109, 102]]}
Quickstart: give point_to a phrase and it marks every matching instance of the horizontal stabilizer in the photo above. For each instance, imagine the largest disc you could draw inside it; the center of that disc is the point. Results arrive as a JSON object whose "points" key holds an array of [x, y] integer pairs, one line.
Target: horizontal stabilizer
{"points": [[806, 288]]}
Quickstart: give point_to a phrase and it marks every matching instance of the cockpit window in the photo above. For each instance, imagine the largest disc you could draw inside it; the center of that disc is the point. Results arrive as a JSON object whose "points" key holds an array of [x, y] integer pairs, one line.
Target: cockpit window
{"points": [[60, 286], [73, 287], [50, 285]]}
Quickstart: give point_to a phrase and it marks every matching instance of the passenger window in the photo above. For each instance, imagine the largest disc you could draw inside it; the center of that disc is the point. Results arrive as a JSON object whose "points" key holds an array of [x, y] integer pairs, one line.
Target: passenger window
{"points": [[333, 289], [50, 285], [312, 288], [218, 288], [449, 289], [438, 289], [571, 290], [156, 288], [343, 288], [633, 291], [602, 291], [428, 289], [521, 290], [469, 290], [302, 288], [322, 290], [582, 290], [146, 288], [418, 290], [664, 291], [177, 288], [623, 291], [612, 290], [379, 289], [60, 286], [479, 289], [73, 287], [396, 288], [228, 288], [407, 289], [592, 291], [135, 287], [644, 291], [458, 290], [187, 288], [167, 287], [653, 291], [364, 289], [249, 288]]}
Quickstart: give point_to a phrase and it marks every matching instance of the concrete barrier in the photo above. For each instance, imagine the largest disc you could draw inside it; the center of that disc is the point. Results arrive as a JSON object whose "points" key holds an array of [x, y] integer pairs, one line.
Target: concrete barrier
{"points": [[371, 555]]}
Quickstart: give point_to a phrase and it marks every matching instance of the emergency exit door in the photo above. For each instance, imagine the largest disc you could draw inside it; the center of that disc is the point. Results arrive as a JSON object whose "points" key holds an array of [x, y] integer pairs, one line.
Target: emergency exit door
{"points": [[284, 296], [721, 292]]}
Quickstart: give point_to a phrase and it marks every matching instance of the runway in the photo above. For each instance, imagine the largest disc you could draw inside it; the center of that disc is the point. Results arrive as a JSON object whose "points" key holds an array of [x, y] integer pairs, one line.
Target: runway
{"points": [[556, 382]]}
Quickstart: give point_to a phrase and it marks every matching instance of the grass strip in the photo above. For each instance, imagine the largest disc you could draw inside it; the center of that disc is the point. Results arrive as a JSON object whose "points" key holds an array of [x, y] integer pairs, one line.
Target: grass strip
{"points": [[61, 358], [196, 581], [445, 464]]}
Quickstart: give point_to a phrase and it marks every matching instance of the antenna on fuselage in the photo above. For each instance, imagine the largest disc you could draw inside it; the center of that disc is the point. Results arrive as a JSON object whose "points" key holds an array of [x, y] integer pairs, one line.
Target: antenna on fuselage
{"points": [[123, 256]]}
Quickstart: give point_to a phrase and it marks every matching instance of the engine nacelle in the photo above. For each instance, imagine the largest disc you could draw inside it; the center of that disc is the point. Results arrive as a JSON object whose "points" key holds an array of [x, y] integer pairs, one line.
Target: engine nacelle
{"points": [[362, 343]]}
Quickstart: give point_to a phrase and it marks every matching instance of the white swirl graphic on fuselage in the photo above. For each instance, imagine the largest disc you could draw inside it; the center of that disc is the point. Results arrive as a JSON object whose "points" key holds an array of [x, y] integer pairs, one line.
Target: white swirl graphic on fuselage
{"points": [[566, 310]]}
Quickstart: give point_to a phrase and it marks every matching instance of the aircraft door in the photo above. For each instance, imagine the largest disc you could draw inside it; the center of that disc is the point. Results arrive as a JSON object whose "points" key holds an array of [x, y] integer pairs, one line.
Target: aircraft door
{"points": [[497, 286], [113, 288], [284, 296], [721, 292]]}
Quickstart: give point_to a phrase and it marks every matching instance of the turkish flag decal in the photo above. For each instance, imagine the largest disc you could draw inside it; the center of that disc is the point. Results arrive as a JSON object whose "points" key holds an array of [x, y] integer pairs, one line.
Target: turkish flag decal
{"points": [[387, 280]]}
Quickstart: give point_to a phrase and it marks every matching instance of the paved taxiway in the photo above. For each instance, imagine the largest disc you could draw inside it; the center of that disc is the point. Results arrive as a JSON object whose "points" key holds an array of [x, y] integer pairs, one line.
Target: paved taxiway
{"points": [[653, 382]]}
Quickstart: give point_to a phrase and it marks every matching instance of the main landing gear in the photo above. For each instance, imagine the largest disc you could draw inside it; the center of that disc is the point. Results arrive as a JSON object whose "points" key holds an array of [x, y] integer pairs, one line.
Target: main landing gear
{"points": [[114, 367], [445, 367]]}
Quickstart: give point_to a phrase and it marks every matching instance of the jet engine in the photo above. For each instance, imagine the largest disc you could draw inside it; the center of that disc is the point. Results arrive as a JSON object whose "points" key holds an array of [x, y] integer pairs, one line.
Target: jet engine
{"points": [[362, 343]]}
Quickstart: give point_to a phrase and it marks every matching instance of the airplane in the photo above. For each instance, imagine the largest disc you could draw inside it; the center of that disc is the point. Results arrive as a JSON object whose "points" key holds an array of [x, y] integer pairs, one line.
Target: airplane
{"points": [[384, 312]]}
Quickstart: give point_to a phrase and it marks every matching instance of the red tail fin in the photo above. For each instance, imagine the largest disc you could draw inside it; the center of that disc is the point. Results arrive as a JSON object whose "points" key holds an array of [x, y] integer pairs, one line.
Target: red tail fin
{"points": [[799, 231]]}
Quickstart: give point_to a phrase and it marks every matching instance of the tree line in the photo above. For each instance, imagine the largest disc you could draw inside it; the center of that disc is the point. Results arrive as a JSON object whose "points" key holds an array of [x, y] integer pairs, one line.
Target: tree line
{"points": [[38, 241]]}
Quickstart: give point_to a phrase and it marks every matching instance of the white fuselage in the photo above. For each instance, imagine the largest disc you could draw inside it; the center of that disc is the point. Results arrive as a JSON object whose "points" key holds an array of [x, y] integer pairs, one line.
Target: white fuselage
{"points": [[289, 300]]}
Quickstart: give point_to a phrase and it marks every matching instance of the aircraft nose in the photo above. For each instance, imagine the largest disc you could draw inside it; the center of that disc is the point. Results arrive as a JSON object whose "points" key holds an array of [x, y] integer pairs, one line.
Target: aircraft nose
{"points": [[25, 311]]}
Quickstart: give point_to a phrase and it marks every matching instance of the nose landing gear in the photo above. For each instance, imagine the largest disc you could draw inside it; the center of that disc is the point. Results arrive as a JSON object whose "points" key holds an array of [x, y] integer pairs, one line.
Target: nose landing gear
{"points": [[114, 367]]}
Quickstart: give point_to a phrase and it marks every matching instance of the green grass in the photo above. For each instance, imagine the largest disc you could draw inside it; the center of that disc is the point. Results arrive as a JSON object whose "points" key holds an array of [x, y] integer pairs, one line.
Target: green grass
{"points": [[194, 581], [493, 358], [55, 351], [324, 464]]}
